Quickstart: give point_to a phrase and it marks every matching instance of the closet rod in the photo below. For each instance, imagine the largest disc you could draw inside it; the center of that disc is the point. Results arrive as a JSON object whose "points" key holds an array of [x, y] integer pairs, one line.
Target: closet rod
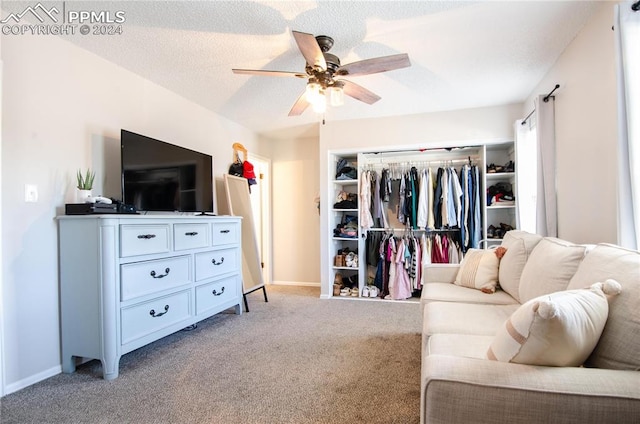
{"points": [[391, 230], [422, 150], [545, 99], [460, 160]]}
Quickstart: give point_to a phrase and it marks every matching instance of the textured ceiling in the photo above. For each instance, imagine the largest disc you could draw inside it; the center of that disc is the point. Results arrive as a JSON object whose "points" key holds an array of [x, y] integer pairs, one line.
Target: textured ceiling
{"points": [[463, 54]]}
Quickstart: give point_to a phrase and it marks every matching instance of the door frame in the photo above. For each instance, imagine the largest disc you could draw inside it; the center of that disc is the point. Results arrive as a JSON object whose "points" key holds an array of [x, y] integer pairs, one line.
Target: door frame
{"points": [[263, 165]]}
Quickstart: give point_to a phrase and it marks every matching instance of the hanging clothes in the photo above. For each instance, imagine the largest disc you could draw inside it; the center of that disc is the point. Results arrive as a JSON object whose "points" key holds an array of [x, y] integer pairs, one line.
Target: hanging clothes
{"points": [[366, 220], [423, 200], [401, 286], [430, 194]]}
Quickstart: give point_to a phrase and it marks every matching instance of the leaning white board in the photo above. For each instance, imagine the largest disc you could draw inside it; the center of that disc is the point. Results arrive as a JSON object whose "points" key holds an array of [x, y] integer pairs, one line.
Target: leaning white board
{"points": [[239, 203]]}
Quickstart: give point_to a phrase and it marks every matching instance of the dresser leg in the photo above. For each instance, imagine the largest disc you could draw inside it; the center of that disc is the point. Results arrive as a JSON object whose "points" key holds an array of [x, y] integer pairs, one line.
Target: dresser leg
{"points": [[110, 368]]}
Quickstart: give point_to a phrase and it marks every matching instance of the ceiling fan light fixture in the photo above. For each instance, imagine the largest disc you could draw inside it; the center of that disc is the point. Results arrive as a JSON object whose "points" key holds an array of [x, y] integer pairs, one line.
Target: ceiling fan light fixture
{"points": [[336, 94], [320, 104], [313, 91]]}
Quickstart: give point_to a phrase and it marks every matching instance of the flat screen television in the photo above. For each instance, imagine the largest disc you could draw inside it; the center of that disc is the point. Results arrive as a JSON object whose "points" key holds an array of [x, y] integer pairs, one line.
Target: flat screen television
{"points": [[159, 176]]}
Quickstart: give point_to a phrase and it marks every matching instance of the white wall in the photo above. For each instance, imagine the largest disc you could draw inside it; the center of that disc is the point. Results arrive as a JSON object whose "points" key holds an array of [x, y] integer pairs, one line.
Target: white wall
{"points": [[63, 109], [586, 132], [442, 129]]}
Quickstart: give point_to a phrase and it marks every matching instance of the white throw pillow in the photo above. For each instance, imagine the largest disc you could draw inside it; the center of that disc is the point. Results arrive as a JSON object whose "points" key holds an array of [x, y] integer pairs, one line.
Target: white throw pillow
{"points": [[479, 270], [559, 329], [519, 245], [549, 268]]}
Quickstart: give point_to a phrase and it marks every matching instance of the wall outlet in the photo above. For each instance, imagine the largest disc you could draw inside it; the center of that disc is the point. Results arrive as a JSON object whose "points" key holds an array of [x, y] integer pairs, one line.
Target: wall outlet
{"points": [[30, 193]]}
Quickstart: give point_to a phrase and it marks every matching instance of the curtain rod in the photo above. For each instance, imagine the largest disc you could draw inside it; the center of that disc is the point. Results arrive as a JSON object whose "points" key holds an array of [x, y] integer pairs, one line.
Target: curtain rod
{"points": [[545, 99]]}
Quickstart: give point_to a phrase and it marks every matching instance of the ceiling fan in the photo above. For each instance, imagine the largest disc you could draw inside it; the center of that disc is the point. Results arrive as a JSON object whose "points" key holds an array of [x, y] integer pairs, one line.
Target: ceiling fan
{"points": [[323, 68]]}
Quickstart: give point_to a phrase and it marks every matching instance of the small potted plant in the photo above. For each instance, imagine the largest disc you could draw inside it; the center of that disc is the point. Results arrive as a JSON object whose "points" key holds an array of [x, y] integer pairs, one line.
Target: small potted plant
{"points": [[85, 184]]}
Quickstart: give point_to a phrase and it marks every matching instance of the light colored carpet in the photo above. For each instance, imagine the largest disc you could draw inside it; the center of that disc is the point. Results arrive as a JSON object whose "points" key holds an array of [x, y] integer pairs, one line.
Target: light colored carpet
{"points": [[296, 359]]}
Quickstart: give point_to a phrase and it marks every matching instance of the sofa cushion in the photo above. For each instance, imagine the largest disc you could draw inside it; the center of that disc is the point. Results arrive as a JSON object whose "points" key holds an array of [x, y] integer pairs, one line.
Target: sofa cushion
{"points": [[619, 345], [559, 329], [519, 245], [479, 270], [448, 292], [466, 345], [464, 318], [551, 265]]}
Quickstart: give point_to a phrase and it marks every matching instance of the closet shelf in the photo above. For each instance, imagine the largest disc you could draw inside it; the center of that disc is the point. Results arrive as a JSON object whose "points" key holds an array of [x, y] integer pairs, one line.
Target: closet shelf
{"points": [[345, 182], [345, 238], [500, 175], [501, 207], [345, 210]]}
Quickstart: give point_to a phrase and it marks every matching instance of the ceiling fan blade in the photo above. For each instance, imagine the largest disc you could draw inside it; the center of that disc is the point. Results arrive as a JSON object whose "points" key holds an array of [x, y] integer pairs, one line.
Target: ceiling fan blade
{"points": [[310, 49], [359, 93], [299, 106], [269, 73], [375, 65]]}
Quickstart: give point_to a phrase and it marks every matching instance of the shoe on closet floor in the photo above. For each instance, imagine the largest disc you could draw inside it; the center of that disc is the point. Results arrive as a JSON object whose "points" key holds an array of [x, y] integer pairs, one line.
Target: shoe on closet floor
{"points": [[365, 291], [373, 291]]}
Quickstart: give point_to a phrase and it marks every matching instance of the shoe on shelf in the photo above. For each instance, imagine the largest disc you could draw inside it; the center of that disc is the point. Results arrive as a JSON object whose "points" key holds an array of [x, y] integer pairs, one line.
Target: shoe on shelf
{"points": [[351, 260], [505, 227], [491, 231], [355, 292], [346, 291], [509, 166]]}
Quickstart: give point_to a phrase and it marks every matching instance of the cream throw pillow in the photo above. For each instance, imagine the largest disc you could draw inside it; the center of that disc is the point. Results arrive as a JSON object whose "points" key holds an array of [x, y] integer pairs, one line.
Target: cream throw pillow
{"points": [[549, 268], [559, 329], [519, 245], [479, 270]]}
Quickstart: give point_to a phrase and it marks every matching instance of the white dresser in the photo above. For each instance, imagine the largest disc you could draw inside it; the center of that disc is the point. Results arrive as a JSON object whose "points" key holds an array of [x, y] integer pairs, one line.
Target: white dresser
{"points": [[128, 280]]}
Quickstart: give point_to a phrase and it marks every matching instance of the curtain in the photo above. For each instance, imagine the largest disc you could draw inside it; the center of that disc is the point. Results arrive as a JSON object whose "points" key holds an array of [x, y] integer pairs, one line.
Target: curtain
{"points": [[546, 204], [627, 25], [527, 168]]}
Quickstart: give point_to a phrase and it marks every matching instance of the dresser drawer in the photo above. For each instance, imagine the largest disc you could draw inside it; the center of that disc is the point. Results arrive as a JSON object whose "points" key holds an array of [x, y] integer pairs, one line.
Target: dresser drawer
{"points": [[143, 239], [145, 318], [190, 236], [209, 296], [216, 262], [140, 278], [225, 233]]}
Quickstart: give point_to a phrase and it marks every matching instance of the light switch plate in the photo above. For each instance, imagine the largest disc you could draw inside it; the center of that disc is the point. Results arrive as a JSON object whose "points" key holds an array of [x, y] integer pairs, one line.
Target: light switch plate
{"points": [[30, 193]]}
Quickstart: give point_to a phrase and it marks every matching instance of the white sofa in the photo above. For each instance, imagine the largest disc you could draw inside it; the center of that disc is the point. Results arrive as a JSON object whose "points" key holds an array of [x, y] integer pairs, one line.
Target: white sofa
{"points": [[460, 385]]}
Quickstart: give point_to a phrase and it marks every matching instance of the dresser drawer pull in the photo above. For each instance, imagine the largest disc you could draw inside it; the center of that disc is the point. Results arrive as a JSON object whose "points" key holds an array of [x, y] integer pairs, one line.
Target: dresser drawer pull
{"points": [[224, 231], [215, 293], [192, 233], [166, 270], [213, 261], [146, 236], [153, 312]]}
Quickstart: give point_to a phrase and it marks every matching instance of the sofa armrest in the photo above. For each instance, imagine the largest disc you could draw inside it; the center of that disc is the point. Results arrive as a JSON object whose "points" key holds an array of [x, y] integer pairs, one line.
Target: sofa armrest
{"points": [[440, 273], [464, 390]]}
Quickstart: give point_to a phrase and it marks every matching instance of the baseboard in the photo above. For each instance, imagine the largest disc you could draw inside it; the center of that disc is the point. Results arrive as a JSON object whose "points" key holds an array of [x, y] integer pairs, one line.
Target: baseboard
{"points": [[295, 283], [36, 378]]}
